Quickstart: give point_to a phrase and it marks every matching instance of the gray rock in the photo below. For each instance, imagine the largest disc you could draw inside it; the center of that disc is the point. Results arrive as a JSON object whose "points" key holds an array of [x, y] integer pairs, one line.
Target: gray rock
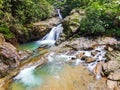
{"points": [[113, 80], [111, 66]]}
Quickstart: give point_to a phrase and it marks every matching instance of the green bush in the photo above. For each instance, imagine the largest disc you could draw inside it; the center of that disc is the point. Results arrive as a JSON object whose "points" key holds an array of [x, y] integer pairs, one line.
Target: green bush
{"points": [[30, 11], [22, 12], [68, 5], [101, 19], [4, 29]]}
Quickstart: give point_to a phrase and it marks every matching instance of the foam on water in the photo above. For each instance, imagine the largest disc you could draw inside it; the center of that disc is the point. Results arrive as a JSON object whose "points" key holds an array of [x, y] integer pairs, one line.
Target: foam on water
{"points": [[60, 57], [27, 77], [46, 42], [50, 38]]}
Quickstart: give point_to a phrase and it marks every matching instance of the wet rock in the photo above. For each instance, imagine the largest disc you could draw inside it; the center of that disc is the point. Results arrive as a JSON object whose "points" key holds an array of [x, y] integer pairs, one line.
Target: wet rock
{"points": [[24, 54], [84, 58], [114, 80], [109, 48], [40, 29], [79, 55], [90, 59], [98, 70], [93, 53]]}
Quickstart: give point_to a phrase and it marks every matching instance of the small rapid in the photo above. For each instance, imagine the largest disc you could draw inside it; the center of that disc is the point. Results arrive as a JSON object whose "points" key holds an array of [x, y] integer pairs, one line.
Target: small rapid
{"points": [[59, 67], [50, 38], [62, 71], [59, 14]]}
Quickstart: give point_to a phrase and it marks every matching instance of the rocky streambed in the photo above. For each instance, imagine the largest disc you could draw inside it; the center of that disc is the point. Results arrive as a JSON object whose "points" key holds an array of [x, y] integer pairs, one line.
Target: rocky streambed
{"points": [[92, 64], [89, 64], [101, 56]]}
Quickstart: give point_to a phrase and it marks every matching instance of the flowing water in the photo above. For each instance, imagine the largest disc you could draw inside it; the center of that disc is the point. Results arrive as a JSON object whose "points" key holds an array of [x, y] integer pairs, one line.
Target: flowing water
{"points": [[59, 14], [48, 40], [57, 73], [50, 77]]}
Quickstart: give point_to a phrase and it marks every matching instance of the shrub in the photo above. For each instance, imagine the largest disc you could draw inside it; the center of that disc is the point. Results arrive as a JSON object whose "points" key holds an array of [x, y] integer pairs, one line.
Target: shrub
{"points": [[101, 19], [4, 29], [30, 11]]}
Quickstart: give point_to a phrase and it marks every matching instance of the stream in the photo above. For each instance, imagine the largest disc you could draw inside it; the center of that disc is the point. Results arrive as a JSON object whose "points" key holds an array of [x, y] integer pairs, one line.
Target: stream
{"points": [[62, 71], [59, 74]]}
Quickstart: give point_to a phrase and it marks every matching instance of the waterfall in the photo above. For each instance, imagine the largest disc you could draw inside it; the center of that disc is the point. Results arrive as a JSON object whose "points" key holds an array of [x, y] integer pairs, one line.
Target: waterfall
{"points": [[60, 16], [50, 38]]}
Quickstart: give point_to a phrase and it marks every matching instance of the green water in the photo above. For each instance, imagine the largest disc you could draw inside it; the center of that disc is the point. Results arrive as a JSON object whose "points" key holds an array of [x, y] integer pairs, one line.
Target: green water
{"points": [[37, 77], [29, 46]]}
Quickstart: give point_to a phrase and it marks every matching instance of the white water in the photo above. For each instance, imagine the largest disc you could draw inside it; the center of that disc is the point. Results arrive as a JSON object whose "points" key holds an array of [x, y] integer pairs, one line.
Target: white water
{"points": [[60, 16], [99, 57], [50, 38], [56, 63], [27, 77]]}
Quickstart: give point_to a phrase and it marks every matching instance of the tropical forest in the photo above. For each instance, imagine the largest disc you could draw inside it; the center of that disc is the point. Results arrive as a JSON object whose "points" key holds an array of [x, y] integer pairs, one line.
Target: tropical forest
{"points": [[59, 44]]}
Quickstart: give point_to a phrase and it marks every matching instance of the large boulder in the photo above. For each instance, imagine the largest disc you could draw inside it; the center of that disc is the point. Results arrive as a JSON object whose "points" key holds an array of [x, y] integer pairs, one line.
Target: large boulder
{"points": [[40, 29], [9, 57], [113, 81], [72, 22]]}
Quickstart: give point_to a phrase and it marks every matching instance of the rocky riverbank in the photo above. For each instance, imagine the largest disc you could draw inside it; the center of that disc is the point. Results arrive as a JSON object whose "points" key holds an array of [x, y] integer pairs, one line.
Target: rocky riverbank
{"points": [[10, 59], [107, 66], [108, 69]]}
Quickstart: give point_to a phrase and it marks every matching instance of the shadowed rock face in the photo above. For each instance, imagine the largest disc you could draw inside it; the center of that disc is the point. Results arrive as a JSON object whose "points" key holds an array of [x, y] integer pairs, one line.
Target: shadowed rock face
{"points": [[9, 57]]}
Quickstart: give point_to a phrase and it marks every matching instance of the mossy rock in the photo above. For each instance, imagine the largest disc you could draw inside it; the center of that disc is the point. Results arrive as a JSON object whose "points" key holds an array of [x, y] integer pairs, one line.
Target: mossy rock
{"points": [[21, 32], [72, 22]]}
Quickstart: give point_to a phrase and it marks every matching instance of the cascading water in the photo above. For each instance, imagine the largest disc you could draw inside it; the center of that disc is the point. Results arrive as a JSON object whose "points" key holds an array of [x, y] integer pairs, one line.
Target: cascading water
{"points": [[50, 38], [60, 16], [52, 75], [41, 78]]}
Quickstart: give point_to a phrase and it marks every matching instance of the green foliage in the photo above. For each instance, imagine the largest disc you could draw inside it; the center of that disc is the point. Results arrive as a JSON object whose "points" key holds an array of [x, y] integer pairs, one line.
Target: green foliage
{"points": [[71, 4], [101, 19], [26, 11], [22, 12], [5, 31], [30, 11]]}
